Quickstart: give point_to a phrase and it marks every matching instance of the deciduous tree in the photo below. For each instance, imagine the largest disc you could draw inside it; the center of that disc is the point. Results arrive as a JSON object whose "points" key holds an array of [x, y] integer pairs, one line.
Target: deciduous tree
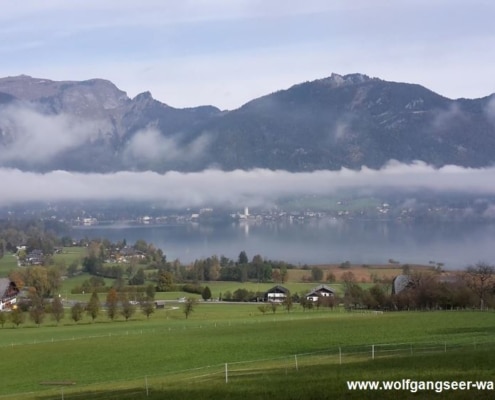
{"points": [[93, 307], [128, 308], [189, 306], [481, 278], [37, 309], [147, 307], [112, 303], [76, 312], [287, 303], [17, 316], [57, 309]]}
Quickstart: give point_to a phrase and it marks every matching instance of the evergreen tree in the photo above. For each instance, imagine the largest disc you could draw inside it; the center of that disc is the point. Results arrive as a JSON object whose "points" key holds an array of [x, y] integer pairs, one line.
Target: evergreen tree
{"points": [[206, 294]]}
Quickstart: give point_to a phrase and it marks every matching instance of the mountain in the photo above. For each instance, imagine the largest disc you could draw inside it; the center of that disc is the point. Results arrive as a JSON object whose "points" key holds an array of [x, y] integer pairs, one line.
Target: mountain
{"points": [[341, 121]]}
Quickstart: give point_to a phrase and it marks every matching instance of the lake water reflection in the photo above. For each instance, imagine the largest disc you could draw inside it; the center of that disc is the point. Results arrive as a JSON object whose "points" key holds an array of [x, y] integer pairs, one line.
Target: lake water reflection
{"points": [[316, 241]]}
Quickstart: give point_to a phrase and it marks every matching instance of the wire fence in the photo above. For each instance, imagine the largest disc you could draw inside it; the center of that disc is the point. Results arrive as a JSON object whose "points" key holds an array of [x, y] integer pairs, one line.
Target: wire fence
{"points": [[230, 372]]}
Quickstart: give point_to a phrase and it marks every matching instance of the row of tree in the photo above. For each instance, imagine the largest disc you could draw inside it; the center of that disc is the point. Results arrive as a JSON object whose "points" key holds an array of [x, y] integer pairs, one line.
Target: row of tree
{"points": [[426, 290]]}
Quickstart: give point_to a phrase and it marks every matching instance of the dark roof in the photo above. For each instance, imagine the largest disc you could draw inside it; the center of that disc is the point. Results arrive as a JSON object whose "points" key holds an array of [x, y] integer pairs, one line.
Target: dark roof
{"points": [[320, 288], [278, 289], [7, 288]]}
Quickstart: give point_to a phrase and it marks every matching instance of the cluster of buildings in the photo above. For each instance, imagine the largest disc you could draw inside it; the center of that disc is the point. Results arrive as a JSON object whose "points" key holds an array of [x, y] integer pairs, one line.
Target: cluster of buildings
{"points": [[278, 294]]}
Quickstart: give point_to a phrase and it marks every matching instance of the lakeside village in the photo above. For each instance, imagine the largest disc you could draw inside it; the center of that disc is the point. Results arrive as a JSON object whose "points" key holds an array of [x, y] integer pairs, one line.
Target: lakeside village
{"points": [[341, 211]]}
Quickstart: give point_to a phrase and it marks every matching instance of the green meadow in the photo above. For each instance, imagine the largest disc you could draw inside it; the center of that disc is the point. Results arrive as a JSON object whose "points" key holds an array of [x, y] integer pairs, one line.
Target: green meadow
{"points": [[176, 358], [234, 351]]}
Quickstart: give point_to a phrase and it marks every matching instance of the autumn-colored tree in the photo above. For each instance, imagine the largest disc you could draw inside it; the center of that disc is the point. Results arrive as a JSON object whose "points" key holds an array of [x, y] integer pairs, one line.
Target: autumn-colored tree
{"points": [[112, 303]]}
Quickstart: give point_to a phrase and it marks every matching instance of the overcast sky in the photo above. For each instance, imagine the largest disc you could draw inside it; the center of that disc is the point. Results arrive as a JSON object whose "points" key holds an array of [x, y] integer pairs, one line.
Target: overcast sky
{"points": [[226, 52]]}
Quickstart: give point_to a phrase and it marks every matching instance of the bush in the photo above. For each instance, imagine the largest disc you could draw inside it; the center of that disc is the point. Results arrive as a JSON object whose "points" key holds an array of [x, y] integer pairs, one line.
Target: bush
{"points": [[192, 288]]}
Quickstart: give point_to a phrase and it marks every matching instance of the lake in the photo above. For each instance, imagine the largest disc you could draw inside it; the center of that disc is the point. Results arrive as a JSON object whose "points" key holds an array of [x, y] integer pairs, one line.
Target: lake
{"points": [[317, 241]]}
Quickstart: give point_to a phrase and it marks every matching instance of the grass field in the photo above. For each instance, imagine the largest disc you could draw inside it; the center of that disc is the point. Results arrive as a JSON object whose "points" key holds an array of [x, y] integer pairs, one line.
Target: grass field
{"points": [[283, 355], [7, 263], [70, 254], [171, 351]]}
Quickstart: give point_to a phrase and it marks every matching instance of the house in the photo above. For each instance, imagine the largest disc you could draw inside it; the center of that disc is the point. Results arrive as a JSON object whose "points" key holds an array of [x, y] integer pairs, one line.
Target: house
{"points": [[35, 257], [8, 294], [320, 292], [276, 294], [400, 283]]}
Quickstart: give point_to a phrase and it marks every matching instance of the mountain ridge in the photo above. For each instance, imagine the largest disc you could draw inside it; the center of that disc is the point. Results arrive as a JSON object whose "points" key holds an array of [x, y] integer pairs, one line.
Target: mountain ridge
{"points": [[341, 121]]}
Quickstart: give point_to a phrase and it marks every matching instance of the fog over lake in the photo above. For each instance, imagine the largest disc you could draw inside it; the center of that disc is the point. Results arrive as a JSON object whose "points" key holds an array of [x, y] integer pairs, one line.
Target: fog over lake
{"points": [[315, 242]]}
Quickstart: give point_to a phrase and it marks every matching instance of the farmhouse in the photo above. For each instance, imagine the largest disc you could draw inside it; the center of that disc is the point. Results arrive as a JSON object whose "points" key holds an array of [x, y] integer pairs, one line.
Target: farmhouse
{"points": [[8, 293], [320, 292], [276, 294]]}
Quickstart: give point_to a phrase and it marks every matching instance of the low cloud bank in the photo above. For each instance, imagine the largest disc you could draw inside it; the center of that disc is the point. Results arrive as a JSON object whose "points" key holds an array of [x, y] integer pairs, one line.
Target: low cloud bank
{"points": [[219, 188], [30, 136]]}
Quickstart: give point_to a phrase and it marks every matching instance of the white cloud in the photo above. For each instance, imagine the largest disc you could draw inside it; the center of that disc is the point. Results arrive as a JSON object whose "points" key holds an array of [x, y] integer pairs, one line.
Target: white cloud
{"points": [[149, 145], [217, 188], [33, 137]]}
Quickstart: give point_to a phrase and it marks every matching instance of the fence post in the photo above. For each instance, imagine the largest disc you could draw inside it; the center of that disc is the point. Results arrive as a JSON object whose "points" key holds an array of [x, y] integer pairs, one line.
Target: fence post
{"points": [[226, 373], [372, 351], [445, 347], [340, 355], [146, 385], [297, 368]]}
